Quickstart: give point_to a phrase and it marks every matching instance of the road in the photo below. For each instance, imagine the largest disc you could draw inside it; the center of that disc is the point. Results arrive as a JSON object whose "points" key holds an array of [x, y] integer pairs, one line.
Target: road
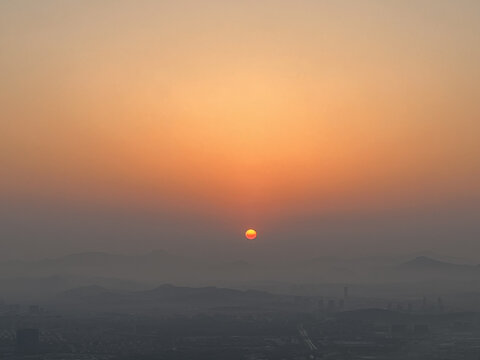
{"points": [[303, 333]]}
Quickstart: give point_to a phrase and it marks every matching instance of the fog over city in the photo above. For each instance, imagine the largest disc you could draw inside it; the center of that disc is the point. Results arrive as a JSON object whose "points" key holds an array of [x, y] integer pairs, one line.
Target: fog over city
{"points": [[251, 180]]}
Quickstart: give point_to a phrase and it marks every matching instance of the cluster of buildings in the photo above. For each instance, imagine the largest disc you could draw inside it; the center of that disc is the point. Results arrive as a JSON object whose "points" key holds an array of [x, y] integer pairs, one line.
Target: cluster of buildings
{"points": [[334, 328]]}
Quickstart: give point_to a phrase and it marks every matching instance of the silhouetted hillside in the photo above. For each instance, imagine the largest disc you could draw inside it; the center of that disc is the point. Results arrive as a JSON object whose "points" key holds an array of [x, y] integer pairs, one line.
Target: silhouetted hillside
{"points": [[426, 263], [156, 266], [160, 299], [37, 288], [176, 293]]}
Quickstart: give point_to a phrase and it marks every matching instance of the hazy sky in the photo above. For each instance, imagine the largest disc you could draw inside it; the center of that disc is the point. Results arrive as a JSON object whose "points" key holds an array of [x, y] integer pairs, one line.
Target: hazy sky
{"points": [[329, 126]]}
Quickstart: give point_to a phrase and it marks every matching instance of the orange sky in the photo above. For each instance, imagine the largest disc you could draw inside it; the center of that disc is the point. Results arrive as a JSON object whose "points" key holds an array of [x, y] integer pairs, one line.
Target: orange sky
{"points": [[250, 110]]}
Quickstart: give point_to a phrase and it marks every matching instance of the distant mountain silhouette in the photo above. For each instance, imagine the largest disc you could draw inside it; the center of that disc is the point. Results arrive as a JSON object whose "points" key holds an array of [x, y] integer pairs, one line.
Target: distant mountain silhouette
{"points": [[21, 288], [211, 293], [423, 268], [138, 272], [156, 266], [426, 263], [170, 293], [162, 298], [88, 292]]}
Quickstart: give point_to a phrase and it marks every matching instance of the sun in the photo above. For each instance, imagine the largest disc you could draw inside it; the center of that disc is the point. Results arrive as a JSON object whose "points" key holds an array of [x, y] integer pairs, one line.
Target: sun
{"points": [[251, 234]]}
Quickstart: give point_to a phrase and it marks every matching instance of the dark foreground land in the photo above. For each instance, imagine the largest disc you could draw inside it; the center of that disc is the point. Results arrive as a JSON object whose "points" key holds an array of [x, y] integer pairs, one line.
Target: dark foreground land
{"points": [[211, 323]]}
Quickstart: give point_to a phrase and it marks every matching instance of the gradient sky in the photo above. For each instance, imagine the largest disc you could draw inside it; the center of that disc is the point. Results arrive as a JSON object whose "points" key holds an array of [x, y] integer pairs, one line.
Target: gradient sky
{"points": [[329, 126]]}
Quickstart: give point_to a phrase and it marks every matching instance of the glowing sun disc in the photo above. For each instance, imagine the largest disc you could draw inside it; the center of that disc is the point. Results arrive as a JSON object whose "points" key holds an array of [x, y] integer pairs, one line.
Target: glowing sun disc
{"points": [[250, 234]]}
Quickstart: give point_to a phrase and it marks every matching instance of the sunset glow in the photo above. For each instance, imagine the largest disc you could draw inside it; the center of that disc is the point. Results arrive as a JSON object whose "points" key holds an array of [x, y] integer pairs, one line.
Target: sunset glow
{"points": [[240, 179], [234, 112]]}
